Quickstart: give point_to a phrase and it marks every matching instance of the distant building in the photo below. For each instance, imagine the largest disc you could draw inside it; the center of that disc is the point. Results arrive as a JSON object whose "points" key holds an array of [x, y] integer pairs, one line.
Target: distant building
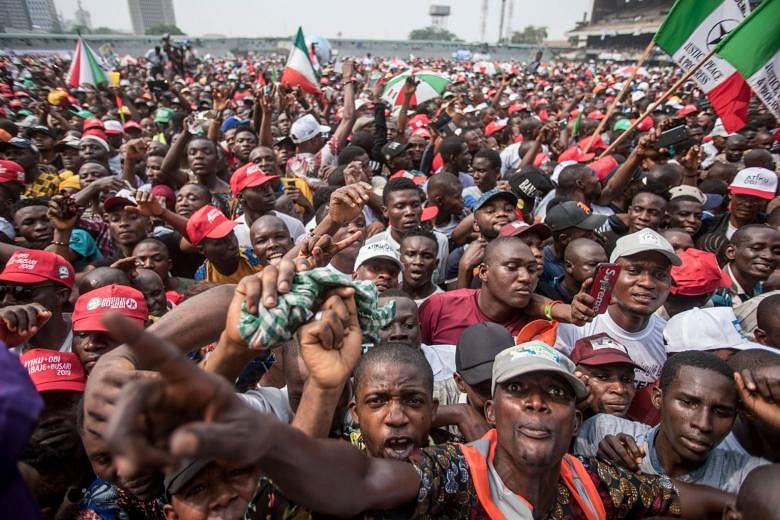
{"points": [[29, 15], [82, 18], [147, 13]]}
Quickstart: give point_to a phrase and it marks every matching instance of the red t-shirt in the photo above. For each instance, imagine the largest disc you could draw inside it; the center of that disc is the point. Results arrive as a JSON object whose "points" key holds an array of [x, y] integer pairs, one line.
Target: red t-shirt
{"points": [[444, 316]]}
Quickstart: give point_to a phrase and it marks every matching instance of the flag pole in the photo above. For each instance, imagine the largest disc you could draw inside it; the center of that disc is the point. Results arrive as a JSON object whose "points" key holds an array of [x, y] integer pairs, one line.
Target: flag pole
{"points": [[622, 93], [685, 77]]}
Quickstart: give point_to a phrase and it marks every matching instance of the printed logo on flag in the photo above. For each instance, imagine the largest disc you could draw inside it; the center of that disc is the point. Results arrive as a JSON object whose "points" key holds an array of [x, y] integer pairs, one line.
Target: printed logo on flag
{"points": [[719, 31]]}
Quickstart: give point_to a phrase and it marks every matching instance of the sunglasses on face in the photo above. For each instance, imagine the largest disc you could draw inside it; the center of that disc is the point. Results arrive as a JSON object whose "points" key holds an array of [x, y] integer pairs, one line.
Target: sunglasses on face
{"points": [[21, 292]]}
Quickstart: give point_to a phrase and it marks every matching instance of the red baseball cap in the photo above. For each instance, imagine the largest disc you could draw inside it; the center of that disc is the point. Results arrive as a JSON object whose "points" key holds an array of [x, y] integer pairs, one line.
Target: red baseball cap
{"points": [[11, 172], [208, 222], [429, 213], [603, 166], [646, 124], [687, 110], [249, 176], [600, 349], [596, 114], [493, 127], [575, 154], [51, 370], [596, 144], [417, 179], [132, 124], [93, 305], [519, 227], [422, 132], [93, 122], [418, 121], [35, 266], [699, 274]]}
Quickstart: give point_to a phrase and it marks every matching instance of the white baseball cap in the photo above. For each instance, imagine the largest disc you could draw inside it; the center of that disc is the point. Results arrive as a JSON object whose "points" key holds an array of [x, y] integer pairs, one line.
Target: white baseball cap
{"points": [[706, 329], [755, 181], [305, 128], [380, 249], [644, 240]]}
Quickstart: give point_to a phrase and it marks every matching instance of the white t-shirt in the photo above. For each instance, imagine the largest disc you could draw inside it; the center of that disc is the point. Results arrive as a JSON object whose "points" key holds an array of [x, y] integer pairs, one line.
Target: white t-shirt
{"points": [[440, 272], [645, 347], [722, 469], [294, 226], [271, 400]]}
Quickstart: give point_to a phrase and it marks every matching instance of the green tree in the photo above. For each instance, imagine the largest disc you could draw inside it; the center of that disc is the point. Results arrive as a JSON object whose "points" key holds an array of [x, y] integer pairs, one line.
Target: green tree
{"points": [[164, 28], [530, 34], [432, 33]]}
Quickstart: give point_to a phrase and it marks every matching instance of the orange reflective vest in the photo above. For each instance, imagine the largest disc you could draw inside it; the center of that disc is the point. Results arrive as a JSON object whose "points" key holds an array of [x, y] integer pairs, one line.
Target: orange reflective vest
{"points": [[500, 503]]}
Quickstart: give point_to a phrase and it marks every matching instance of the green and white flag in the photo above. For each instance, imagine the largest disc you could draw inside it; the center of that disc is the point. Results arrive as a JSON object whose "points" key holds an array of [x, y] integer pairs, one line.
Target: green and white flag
{"points": [[753, 49]]}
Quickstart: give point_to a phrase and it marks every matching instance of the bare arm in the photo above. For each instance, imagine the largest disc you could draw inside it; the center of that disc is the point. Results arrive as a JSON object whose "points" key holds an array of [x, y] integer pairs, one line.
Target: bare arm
{"points": [[172, 160], [348, 116], [625, 171], [702, 501]]}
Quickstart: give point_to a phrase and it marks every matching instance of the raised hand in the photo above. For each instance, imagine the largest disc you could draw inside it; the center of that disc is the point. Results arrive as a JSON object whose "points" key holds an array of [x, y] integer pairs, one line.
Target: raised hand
{"points": [[759, 391], [347, 202], [63, 212], [129, 265], [146, 204], [347, 69], [330, 344], [582, 305], [18, 323], [410, 86], [317, 251], [222, 98], [183, 413], [135, 149]]}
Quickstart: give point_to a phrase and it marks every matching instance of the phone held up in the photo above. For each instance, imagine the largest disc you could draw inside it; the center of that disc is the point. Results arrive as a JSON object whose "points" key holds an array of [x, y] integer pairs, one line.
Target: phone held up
{"points": [[603, 285]]}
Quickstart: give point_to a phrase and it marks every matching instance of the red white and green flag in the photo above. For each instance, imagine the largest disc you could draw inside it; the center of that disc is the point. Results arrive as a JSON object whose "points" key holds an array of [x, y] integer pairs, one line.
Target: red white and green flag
{"points": [[753, 49], [299, 71], [85, 69], [691, 30]]}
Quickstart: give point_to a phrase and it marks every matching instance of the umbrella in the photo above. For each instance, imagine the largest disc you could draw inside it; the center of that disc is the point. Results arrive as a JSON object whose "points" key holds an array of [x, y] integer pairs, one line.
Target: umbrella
{"points": [[431, 85]]}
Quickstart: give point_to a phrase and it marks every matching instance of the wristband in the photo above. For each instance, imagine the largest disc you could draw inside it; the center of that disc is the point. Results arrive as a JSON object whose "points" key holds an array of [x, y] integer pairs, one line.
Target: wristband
{"points": [[548, 309]]}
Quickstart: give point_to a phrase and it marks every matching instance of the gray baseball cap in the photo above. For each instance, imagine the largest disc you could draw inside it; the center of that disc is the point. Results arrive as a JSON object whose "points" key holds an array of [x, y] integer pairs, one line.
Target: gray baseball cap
{"points": [[642, 241], [535, 356]]}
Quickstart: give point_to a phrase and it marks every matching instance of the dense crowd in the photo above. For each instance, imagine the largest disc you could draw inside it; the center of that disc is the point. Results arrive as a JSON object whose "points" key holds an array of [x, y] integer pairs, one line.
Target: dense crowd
{"points": [[224, 296]]}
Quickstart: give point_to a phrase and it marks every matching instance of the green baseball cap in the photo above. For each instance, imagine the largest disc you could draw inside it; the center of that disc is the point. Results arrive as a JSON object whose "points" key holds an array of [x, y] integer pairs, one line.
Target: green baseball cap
{"points": [[163, 115], [622, 125]]}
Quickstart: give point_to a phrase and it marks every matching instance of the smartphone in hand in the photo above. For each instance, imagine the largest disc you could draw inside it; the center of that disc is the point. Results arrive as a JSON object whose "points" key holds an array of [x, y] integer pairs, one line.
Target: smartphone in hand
{"points": [[603, 284]]}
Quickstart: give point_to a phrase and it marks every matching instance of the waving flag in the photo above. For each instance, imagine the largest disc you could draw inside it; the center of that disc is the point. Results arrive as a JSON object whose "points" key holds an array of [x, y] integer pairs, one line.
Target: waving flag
{"points": [[85, 68], [753, 49], [299, 70], [692, 29]]}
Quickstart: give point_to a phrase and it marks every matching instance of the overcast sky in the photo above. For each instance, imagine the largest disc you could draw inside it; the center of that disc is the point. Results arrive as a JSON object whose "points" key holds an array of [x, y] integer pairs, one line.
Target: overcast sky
{"points": [[376, 19]]}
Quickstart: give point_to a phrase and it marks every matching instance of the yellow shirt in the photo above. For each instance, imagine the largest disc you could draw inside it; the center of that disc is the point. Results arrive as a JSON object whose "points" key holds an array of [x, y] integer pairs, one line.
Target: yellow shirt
{"points": [[244, 269]]}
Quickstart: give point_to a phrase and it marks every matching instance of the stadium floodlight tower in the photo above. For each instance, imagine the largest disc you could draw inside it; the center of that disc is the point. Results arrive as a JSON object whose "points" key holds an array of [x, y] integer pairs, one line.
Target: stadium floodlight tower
{"points": [[439, 15]]}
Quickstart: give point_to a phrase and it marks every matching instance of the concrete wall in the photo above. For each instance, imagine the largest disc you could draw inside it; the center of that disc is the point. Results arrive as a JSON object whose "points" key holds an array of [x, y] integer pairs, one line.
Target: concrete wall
{"points": [[138, 45]]}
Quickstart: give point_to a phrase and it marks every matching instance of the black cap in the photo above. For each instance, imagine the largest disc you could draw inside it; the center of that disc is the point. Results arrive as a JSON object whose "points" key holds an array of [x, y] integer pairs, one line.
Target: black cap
{"points": [[571, 214], [477, 346], [41, 129], [530, 183], [393, 149], [184, 474]]}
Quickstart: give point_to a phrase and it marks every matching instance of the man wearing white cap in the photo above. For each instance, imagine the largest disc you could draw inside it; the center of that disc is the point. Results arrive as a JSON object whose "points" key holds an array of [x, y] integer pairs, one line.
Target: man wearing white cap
{"points": [[312, 153], [644, 282], [378, 262], [751, 190]]}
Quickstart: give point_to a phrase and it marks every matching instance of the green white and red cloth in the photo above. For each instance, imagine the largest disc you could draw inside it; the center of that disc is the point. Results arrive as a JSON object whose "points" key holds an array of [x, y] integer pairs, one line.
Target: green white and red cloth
{"points": [[85, 68], [753, 49], [299, 71], [691, 30], [430, 85]]}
